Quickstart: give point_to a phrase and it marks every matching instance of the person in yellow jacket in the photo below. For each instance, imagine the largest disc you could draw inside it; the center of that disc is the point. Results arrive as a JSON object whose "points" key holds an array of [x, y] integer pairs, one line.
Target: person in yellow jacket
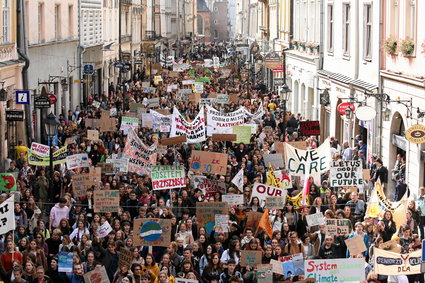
{"points": [[164, 277], [21, 148], [150, 267]]}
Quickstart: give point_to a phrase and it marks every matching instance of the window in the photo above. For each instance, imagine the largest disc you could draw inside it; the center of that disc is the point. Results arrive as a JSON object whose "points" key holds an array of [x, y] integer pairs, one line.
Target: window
{"points": [[57, 22], [71, 21], [367, 32], [200, 25], [6, 21], [346, 29], [410, 19], [40, 23], [330, 28]]}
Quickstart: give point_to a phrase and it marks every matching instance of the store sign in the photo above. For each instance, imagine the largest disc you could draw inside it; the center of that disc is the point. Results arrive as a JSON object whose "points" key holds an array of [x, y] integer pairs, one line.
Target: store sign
{"points": [[416, 134], [365, 113], [272, 60], [42, 101], [344, 106], [14, 115]]}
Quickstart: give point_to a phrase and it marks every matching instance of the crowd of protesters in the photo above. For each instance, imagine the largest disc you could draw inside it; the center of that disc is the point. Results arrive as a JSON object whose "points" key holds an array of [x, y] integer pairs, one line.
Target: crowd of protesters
{"points": [[52, 220]]}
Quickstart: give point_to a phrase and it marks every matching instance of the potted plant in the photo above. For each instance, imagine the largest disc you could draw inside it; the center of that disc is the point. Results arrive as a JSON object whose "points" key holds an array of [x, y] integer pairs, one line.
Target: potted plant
{"points": [[302, 45], [407, 47], [294, 43], [391, 45], [312, 46]]}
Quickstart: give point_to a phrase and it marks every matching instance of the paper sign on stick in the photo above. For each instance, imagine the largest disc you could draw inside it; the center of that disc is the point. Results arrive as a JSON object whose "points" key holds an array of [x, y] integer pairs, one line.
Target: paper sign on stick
{"points": [[315, 219], [154, 232], [208, 162], [106, 201], [251, 258], [356, 245]]}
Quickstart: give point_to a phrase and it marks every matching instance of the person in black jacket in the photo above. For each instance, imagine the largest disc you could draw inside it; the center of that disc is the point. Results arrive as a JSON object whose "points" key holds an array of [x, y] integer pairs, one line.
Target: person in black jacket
{"points": [[328, 250], [381, 172], [110, 261]]}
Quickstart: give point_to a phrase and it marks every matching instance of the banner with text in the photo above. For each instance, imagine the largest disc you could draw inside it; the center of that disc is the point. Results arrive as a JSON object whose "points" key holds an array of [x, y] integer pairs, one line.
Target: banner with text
{"points": [[390, 263], [194, 131], [141, 157], [262, 191], [222, 120], [167, 177], [335, 270]]}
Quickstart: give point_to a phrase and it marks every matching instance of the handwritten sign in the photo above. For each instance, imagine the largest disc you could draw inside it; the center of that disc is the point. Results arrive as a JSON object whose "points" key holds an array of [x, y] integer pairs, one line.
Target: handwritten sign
{"points": [[76, 161], [222, 223], [173, 141], [208, 162], [93, 135], [80, 184], [356, 245], [125, 258], [104, 230], [106, 201], [206, 211], [154, 232], [262, 191], [275, 202], [98, 275], [232, 199], [65, 262], [346, 173], [335, 227], [315, 219], [40, 149], [167, 177], [208, 187], [251, 258]]}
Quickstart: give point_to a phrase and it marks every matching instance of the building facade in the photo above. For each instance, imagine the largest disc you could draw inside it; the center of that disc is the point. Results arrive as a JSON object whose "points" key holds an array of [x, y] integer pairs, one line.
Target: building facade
{"points": [[220, 22]]}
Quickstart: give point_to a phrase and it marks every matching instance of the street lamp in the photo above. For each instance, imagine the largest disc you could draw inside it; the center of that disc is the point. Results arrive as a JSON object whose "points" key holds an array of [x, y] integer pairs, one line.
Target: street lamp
{"points": [[51, 127], [284, 96]]}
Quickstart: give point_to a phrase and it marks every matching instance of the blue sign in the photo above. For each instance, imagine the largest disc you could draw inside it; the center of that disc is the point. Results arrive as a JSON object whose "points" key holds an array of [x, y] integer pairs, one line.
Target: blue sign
{"points": [[65, 262], [88, 69], [423, 251], [22, 97], [119, 65]]}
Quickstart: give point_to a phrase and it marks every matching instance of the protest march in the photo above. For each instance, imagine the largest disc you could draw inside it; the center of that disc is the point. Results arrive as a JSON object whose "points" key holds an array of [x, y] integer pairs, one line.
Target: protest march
{"points": [[191, 174]]}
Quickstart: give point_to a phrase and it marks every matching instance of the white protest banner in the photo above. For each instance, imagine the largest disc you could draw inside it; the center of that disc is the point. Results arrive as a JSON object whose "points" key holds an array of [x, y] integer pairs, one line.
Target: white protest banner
{"points": [[194, 131], [199, 87], [104, 230], [120, 164], [40, 149], [390, 263], [188, 82], [336, 270], [301, 162], [238, 180], [208, 187], [315, 219], [218, 119], [346, 173], [232, 199], [167, 177], [7, 215], [129, 123], [147, 120], [141, 157], [222, 223], [262, 191], [77, 161], [257, 115]]}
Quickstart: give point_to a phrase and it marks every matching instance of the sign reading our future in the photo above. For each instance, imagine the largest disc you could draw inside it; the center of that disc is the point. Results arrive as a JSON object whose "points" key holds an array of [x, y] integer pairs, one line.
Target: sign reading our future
{"points": [[300, 162], [347, 173]]}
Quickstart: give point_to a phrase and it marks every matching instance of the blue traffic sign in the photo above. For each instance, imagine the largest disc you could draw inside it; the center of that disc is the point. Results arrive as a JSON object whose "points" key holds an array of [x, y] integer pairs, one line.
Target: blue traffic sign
{"points": [[22, 97], [423, 251], [88, 69]]}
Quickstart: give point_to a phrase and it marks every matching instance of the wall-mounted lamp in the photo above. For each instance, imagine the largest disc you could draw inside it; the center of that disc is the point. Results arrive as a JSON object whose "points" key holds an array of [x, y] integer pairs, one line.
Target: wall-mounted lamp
{"points": [[348, 112], [3, 92], [386, 114]]}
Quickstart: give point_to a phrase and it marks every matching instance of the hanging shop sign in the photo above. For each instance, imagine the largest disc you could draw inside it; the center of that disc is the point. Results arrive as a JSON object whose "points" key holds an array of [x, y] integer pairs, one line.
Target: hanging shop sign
{"points": [[416, 134], [344, 106]]}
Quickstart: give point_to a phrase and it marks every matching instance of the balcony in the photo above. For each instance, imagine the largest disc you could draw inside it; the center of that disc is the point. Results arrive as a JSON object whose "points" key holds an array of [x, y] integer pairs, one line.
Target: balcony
{"points": [[150, 35], [125, 38]]}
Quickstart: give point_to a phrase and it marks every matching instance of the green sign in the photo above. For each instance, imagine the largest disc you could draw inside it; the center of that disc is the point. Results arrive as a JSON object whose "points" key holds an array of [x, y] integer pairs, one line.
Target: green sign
{"points": [[204, 80], [59, 157], [7, 182], [243, 134]]}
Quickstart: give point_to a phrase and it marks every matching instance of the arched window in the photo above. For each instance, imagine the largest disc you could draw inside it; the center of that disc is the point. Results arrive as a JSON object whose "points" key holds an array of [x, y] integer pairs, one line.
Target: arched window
{"points": [[200, 25]]}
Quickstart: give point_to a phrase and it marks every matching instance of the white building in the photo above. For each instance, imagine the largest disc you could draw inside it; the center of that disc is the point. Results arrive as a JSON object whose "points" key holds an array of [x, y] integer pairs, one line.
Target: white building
{"points": [[110, 41]]}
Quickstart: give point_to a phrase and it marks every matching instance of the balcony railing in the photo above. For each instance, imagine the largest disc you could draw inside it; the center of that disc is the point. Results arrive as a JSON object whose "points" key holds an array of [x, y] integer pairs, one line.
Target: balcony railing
{"points": [[150, 35]]}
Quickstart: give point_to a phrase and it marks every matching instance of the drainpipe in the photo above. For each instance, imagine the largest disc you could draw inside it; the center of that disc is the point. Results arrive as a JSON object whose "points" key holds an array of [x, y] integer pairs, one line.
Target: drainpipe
{"points": [[22, 49]]}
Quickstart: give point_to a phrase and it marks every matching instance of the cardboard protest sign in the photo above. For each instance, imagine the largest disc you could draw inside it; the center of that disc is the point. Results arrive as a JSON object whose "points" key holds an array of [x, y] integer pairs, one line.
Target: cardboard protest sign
{"points": [[98, 275], [154, 232], [40, 149], [366, 175], [301, 162], [336, 227], [120, 165], [315, 219], [309, 128], [243, 134], [277, 266], [221, 223], [253, 218], [275, 202], [107, 124], [173, 141], [251, 258], [80, 184], [346, 173], [76, 161], [93, 135], [390, 263], [232, 199], [391, 246], [135, 106], [105, 168], [208, 162], [65, 262], [356, 245], [223, 120], [194, 131], [92, 123], [129, 123], [106, 201], [224, 137], [167, 177], [262, 191], [95, 175], [276, 160], [125, 257], [104, 230], [206, 211], [194, 98], [141, 157], [208, 187], [336, 270], [7, 182]]}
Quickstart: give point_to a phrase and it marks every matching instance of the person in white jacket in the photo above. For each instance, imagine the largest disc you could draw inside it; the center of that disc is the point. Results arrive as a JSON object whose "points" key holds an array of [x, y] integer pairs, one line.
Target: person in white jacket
{"points": [[79, 231]]}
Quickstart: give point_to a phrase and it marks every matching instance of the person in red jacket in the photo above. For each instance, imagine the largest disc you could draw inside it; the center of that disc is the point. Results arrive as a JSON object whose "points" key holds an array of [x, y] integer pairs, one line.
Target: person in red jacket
{"points": [[9, 256]]}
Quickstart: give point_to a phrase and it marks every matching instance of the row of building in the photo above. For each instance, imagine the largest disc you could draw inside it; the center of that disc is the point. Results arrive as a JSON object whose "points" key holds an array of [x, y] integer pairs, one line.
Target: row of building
{"points": [[365, 52], [70, 49]]}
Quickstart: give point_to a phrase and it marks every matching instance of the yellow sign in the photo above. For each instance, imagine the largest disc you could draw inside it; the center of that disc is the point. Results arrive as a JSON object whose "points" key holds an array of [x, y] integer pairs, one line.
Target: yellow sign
{"points": [[416, 134]]}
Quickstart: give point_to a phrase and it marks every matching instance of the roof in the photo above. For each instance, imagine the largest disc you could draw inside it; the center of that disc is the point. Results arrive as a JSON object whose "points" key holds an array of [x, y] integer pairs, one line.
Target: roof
{"points": [[202, 6]]}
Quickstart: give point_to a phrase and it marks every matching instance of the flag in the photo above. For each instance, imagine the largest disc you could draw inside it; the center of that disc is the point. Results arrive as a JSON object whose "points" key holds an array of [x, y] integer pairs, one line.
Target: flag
{"points": [[208, 71], [108, 47], [7, 215], [265, 223], [238, 180], [271, 178], [306, 190]]}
